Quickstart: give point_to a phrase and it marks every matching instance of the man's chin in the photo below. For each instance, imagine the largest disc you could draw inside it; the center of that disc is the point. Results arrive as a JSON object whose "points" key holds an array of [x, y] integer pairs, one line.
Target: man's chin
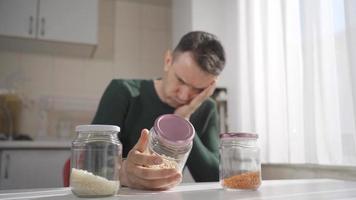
{"points": [[176, 104]]}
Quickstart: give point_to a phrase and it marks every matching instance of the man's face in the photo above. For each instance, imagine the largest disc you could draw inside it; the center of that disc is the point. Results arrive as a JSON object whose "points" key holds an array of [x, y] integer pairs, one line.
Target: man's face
{"points": [[183, 79]]}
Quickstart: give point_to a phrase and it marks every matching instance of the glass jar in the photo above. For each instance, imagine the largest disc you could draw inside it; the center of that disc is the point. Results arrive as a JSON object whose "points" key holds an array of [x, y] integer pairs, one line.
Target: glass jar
{"points": [[240, 165], [171, 137], [96, 160]]}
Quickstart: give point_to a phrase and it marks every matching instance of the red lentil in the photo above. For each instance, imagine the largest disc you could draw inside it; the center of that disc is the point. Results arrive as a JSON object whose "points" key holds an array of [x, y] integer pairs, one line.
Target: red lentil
{"points": [[248, 180]]}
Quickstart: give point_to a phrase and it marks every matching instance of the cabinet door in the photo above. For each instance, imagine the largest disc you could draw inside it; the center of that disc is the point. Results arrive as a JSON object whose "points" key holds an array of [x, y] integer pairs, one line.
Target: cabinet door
{"points": [[18, 18], [68, 20], [22, 169]]}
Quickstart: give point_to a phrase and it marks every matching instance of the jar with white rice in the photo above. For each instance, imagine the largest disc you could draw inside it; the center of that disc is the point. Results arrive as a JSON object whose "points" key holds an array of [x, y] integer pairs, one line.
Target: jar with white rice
{"points": [[96, 160]]}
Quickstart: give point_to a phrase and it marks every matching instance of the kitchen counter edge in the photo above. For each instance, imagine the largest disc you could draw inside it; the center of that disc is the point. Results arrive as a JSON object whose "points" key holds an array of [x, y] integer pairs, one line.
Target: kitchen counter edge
{"points": [[35, 145]]}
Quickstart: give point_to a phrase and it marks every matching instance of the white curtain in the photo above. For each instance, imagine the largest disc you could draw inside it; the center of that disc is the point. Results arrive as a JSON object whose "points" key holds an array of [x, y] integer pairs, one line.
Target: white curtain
{"points": [[297, 78]]}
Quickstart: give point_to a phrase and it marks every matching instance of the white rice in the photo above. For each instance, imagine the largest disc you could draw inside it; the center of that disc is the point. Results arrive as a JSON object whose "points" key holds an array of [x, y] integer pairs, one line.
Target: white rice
{"points": [[84, 183]]}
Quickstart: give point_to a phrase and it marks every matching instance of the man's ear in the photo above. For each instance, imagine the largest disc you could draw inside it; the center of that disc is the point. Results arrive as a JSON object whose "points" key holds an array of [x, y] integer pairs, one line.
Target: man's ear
{"points": [[168, 60]]}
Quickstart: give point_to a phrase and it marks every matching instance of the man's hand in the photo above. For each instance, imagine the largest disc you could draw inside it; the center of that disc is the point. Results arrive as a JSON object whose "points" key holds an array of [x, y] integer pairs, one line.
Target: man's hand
{"points": [[186, 110], [133, 173]]}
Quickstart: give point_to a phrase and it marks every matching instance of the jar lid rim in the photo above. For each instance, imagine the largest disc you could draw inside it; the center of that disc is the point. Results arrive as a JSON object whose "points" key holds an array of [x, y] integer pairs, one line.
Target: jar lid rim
{"points": [[96, 127], [245, 135], [174, 129]]}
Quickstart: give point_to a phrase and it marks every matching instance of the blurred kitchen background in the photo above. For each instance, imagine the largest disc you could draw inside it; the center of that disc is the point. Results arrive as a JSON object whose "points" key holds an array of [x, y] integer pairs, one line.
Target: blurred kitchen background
{"points": [[58, 82], [57, 57]]}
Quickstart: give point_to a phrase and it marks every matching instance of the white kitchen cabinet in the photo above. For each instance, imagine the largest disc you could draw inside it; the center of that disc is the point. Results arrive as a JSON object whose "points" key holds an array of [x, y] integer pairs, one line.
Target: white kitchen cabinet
{"points": [[32, 168], [68, 20], [74, 21], [18, 18]]}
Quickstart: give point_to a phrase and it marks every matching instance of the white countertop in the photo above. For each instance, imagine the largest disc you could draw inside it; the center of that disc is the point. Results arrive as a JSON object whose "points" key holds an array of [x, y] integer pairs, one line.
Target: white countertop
{"points": [[35, 144], [273, 189]]}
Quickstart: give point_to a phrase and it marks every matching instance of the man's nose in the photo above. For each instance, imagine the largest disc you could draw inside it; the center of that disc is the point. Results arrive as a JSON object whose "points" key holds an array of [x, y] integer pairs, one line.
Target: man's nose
{"points": [[184, 93]]}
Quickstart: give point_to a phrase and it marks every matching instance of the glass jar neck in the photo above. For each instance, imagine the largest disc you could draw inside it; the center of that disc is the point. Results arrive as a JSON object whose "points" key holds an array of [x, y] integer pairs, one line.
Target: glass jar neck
{"points": [[98, 136], [243, 142]]}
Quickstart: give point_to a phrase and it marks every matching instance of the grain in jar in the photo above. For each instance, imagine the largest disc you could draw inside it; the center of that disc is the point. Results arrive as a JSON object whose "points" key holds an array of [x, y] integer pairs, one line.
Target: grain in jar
{"points": [[96, 160], [240, 165]]}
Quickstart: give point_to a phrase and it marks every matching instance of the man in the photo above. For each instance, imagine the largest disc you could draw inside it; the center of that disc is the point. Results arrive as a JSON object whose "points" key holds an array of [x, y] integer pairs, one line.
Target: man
{"points": [[190, 74]]}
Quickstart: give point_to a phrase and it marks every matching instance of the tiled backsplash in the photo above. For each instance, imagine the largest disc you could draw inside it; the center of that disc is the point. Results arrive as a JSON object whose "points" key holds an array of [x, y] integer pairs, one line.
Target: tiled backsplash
{"points": [[60, 115]]}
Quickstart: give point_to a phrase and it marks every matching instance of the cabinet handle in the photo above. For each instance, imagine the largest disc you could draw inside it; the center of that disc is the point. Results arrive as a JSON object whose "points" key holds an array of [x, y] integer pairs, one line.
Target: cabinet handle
{"points": [[30, 30], [7, 164], [43, 23]]}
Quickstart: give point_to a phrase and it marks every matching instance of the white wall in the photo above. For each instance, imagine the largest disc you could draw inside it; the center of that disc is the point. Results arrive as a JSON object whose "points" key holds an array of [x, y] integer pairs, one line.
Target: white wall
{"points": [[181, 18], [208, 15], [350, 11]]}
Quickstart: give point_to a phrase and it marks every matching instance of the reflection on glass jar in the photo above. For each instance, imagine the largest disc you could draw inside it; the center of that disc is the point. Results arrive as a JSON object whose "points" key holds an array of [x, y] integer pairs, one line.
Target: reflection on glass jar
{"points": [[96, 160], [240, 165]]}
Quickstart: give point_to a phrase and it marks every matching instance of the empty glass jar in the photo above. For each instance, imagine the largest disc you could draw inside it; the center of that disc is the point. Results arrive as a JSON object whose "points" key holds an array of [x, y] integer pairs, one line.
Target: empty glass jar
{"points": [[171, 137], [96, 160], [240, 165]]}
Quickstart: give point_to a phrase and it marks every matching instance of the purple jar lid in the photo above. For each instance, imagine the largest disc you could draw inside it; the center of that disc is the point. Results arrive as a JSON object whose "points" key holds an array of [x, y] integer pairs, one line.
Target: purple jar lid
{"points": [[242, 135], [174, 129]]}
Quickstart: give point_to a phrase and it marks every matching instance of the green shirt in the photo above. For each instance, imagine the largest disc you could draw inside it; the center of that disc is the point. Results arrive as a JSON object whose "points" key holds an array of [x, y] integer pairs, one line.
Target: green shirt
{"points": [[134, 104]]}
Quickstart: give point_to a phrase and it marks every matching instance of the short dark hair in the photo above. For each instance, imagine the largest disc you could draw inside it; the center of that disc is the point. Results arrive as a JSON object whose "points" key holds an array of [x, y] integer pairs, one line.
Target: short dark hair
{"points": [[206, 49]]}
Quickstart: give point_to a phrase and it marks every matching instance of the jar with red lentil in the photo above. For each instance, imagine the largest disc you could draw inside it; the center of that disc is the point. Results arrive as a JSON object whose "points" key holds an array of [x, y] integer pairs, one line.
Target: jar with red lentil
{"points": [[240, 165]]}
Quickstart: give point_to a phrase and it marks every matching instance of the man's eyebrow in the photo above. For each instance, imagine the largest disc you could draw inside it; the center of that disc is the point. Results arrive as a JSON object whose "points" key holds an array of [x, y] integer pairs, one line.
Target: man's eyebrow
{"points": [[185, 83]]}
